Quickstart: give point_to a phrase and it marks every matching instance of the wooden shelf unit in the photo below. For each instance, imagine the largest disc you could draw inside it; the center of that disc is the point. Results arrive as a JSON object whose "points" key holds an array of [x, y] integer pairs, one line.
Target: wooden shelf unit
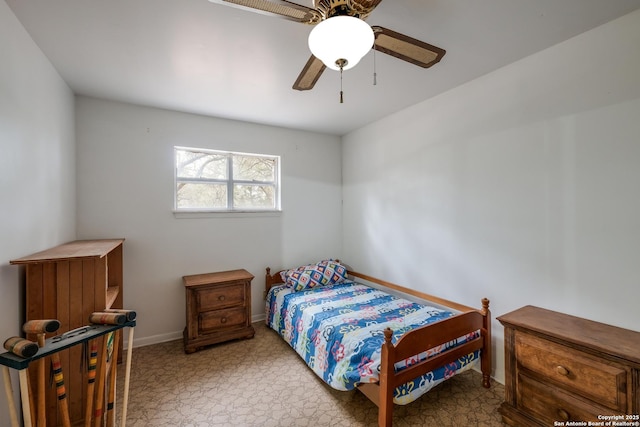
{"points": [[68, 283]]}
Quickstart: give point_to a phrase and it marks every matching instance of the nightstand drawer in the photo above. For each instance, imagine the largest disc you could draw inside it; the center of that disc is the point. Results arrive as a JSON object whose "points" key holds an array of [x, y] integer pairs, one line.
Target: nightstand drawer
{"points": [[217, 320], [550, 404], [579, 373], [220, 297]]}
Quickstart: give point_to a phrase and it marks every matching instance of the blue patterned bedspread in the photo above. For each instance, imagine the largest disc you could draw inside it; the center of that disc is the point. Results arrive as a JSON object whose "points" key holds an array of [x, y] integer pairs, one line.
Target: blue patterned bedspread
{"points": [[338, 331]]}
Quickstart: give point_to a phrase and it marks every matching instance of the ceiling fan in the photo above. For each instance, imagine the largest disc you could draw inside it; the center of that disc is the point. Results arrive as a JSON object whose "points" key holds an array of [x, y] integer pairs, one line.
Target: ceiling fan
{"points": [[331, 12]]}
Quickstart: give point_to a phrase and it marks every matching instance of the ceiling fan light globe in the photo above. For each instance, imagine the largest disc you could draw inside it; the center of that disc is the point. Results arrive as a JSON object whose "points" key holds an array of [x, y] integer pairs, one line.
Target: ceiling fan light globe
{"points": [[341, 38]]}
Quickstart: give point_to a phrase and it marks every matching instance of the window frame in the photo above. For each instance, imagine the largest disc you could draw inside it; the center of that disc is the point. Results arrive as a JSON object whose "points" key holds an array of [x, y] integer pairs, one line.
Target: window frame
{"points": [[229, 181]]}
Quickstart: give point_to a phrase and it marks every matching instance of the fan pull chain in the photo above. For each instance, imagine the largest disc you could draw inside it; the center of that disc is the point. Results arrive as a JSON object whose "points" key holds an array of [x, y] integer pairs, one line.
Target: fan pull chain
{"points": [[375, 75], [341, 64], [341, 98]]}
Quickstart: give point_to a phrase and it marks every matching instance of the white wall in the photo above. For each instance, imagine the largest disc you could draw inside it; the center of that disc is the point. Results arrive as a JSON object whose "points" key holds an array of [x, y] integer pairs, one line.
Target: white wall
{"points": [[521, 186], [125, 189], [37, 166]]}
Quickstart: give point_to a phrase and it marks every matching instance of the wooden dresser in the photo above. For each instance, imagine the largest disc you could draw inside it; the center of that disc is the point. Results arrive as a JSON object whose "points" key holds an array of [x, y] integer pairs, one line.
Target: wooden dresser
{"points": [[218, 308], [68, 283], [561, 368]]}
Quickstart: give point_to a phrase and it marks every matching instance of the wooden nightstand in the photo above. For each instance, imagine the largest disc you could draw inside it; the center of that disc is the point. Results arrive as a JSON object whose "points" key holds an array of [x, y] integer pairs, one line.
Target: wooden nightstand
{"points": [[218, 308], [560, 368]]}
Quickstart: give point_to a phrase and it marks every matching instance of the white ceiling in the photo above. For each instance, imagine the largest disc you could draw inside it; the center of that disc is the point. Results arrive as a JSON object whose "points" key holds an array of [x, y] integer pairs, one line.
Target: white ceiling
{"points": [[199, 57]]}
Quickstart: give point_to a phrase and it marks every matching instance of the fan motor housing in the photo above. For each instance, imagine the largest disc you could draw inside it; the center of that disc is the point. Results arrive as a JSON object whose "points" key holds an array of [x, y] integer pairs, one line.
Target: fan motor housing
{"points": [[356, 8]]}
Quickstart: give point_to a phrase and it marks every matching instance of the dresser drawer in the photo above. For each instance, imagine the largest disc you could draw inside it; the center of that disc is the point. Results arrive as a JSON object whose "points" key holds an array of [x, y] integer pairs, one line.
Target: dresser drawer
{"points": [[217, 320], [219, 297], [549, 403], [601, 381]]}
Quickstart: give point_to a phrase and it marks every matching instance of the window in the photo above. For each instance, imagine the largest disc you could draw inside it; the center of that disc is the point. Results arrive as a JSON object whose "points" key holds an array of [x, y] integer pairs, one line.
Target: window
{"points": [[208, 180]]}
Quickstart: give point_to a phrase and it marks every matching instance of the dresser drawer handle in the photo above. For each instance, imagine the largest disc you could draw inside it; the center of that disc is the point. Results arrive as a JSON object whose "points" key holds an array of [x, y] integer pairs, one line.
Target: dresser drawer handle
{"points": [[221, 298], [564, 415], [223, 320], [562, 370]]}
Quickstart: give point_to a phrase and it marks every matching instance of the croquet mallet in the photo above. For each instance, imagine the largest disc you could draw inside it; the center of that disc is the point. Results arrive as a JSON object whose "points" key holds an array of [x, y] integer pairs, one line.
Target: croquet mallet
{"points": [[23, 348], [91, 382], [60, 390], [40, 328]]}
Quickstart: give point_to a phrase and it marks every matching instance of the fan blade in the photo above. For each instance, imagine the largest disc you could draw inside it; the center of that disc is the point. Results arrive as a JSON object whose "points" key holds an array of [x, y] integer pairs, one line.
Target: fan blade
{"points": [[280, 8], [310, 74], [406, 48]]}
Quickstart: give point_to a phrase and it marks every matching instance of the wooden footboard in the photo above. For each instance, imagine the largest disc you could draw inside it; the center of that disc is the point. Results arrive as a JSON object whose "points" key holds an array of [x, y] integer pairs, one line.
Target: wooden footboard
{"points": [[419, 340]]}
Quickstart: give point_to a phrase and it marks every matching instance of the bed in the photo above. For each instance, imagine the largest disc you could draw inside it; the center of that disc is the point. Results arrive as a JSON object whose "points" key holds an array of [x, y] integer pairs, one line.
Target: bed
{"points": [[357, 331]]}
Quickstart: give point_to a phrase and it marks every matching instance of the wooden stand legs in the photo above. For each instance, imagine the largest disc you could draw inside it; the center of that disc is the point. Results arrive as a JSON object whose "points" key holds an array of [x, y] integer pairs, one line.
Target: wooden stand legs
{"points": [[127, 374], [24, 394], [13, 413]]}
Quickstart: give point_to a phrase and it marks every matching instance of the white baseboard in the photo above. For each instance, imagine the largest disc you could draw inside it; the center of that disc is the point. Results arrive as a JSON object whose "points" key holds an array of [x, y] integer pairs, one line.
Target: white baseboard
{"points": [[156, 339], [171, 336]]}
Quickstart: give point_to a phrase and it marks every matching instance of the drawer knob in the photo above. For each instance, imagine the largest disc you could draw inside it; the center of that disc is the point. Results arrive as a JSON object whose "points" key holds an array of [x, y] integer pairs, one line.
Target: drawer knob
{"points": [[221, 298], [223, 320], [562, 370], [564, 415]]}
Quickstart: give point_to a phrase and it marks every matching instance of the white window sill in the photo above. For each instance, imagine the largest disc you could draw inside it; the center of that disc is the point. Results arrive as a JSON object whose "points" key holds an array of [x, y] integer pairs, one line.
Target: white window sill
{"points": [[224, 214]]}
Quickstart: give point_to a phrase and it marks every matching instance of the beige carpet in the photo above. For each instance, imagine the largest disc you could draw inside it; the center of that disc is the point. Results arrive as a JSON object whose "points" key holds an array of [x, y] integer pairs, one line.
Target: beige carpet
{"points": [[263, 382]]}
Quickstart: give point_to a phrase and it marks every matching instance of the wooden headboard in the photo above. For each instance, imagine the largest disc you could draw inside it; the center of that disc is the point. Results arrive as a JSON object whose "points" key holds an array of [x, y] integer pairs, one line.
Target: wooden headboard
{"points": [[275, 279], [271, 280]]}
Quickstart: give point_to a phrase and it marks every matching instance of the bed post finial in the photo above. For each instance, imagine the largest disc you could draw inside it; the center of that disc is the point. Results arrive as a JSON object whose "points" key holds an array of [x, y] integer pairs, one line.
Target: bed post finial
{"points": [[485, 305], [268, 270], [388, 334]]}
